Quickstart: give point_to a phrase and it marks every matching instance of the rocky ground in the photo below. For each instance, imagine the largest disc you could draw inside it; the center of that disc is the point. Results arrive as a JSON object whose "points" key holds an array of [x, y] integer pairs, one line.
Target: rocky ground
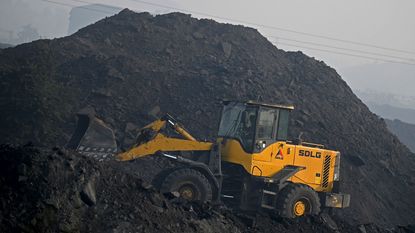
{"points": [[56, 190], [132, 66]]}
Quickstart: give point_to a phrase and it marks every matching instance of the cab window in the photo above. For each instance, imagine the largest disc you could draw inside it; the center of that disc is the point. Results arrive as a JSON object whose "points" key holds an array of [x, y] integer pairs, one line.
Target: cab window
{"points": [[283, 125], [238, 122], [266, 122]]}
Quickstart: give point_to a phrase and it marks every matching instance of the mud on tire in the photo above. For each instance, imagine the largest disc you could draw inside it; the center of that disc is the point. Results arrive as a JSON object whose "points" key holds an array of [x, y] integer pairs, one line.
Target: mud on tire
{"points": [[189, 183], [293, 194]]}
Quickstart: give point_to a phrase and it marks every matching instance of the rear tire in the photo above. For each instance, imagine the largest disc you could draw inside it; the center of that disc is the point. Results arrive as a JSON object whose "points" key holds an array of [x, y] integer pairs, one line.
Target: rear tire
{"points": [[189, 183], [297, 200]]}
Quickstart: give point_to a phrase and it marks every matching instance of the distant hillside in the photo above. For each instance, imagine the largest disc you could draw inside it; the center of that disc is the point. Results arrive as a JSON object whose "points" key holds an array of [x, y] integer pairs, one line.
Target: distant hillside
{"points": [[385, 77], [3, 45], [385, 97], [404, 131], [391, 112]]}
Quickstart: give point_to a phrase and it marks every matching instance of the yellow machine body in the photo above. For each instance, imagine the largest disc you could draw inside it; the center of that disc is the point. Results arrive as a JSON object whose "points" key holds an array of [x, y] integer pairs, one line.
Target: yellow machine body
{"points": [[317, 164], [251, 152]]}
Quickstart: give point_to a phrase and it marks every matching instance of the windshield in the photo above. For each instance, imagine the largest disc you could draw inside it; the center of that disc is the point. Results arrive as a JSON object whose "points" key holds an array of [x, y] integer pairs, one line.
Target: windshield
{"points": [[238, 121]]}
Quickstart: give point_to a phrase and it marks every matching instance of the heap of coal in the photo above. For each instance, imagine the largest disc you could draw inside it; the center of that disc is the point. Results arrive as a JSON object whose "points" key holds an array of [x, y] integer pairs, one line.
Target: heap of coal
{"points": [[56, 191], [131, 66], [59, 191]]}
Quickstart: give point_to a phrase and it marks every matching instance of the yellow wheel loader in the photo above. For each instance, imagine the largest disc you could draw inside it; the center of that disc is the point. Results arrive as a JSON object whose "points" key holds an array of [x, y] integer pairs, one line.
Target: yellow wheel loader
{"points": [[251, 165]]}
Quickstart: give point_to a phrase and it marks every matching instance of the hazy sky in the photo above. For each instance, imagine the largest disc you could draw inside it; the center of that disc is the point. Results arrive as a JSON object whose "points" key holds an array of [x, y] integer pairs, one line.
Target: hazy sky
{"points": [[382, 23]]}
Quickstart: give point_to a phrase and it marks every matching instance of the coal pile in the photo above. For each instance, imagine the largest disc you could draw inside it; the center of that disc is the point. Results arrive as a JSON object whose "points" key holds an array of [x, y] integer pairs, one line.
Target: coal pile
{"points": [[56, 190], [132, 66]]}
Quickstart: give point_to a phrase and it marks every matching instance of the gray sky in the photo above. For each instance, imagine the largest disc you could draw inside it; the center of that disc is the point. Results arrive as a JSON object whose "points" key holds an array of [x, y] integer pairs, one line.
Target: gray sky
{"points": [[383, 23]]}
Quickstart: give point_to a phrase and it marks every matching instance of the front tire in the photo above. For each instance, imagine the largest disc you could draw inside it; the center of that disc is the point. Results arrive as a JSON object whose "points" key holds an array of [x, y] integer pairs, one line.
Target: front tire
{"points": [[297, 200], [189, 183]]}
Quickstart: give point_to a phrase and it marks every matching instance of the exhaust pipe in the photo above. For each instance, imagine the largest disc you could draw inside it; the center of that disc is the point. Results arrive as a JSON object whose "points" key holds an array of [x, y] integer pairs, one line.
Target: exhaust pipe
{"points": [[93, 138]]}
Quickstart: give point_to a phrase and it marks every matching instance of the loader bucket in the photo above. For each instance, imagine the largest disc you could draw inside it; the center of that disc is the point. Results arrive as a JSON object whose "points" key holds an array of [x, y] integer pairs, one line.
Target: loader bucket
{"points": [[93, 138]]}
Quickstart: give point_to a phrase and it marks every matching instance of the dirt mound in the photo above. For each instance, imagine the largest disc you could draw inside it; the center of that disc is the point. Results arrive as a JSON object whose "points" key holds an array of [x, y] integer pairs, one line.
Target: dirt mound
{"points": [[60, 191], [53, 190], [131, 65]]}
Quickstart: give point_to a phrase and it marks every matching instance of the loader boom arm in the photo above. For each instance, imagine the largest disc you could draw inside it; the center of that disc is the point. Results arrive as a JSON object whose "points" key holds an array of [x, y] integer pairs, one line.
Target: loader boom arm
{"points": [[151, 139]]}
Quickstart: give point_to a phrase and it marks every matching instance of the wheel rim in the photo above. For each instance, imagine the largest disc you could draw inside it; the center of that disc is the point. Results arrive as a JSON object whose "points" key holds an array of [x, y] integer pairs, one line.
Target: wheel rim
{"points": [[299, 208], [188, 192]]}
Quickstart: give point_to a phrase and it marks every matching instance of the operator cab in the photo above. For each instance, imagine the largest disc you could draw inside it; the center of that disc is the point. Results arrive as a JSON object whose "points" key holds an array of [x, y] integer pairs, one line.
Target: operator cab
{"points": [[254, 125]]}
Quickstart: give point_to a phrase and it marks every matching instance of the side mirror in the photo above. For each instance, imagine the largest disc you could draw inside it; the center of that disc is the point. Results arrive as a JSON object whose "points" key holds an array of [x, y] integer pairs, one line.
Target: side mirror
{"points": [[260, 145], [299, 140]]}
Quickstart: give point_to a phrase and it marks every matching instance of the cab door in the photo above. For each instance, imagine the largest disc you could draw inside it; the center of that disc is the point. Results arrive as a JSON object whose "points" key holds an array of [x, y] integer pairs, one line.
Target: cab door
{"points": [[284, 153], [265, 136]]}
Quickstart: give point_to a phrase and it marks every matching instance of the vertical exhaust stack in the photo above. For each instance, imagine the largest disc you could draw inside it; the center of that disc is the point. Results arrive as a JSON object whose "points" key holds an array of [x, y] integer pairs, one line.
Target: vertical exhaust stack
{"points": [[93, 138]]}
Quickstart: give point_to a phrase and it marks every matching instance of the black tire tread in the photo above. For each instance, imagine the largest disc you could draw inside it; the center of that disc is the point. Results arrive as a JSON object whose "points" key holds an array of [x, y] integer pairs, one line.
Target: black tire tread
{"points": [[187, 172], [289, 193]]}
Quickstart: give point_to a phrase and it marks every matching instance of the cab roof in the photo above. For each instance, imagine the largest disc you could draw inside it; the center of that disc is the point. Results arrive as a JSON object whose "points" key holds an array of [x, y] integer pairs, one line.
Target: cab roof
{"points": [[250, 102]]}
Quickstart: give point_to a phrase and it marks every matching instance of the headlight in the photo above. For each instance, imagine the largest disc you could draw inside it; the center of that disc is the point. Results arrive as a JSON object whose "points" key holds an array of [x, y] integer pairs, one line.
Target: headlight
{"points": [[337, 200], [337, 167]]}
